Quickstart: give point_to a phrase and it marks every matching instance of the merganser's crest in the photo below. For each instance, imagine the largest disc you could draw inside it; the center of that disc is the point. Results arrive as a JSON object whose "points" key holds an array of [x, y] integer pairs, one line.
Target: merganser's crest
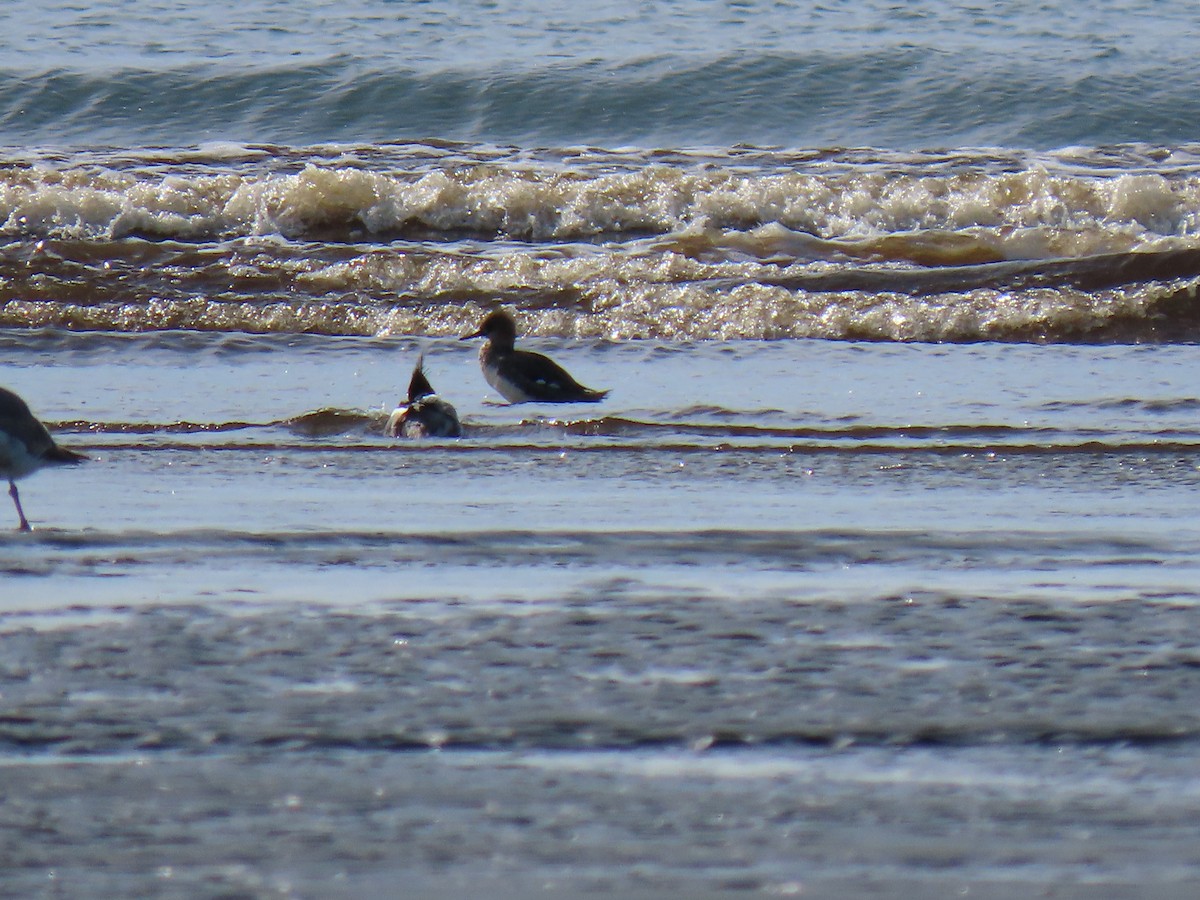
{"points": [[25, 447], [425, 414], [522, 376]]}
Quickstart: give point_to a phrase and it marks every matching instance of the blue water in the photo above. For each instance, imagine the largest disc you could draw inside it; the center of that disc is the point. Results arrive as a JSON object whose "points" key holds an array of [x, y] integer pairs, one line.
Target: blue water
{"points": [[618, 73]]}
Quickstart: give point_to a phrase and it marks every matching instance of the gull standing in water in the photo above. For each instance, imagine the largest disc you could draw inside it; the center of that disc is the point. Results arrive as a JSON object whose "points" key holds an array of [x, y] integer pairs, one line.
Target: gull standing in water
{"points": [[521, 376], [425, 414], [25, 447]]}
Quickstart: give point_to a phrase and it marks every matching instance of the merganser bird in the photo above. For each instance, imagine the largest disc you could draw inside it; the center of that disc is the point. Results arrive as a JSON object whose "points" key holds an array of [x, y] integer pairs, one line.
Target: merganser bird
{"points": [[521, 376], [25, 447], [425, 414]]}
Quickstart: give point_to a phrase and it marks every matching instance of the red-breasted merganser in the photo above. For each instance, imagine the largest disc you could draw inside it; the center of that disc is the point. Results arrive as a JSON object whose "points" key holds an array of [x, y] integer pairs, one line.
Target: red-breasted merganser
{"points": [[521, 376], [425, 414]]}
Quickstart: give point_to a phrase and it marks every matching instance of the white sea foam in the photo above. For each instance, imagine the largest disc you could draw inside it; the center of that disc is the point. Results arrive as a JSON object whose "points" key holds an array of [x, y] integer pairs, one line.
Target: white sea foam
{"points": [[1032, 212]]}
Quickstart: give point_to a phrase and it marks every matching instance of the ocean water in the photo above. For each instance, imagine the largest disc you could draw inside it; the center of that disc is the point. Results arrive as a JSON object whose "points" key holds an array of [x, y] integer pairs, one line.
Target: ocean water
{"points": [[875, 574]]}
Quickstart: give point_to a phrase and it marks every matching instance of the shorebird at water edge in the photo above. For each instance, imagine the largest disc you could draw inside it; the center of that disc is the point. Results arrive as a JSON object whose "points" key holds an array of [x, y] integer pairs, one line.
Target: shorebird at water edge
{"points": [[25, 447]]}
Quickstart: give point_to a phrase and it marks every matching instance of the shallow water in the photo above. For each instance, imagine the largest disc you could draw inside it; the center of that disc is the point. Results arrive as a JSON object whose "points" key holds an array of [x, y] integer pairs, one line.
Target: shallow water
{"points": [[863, 611], [619, 741]]}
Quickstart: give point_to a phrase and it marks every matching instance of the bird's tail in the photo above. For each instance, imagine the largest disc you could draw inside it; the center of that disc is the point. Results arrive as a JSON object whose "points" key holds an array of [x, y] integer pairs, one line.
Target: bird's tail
{"points": [[57, 454]]}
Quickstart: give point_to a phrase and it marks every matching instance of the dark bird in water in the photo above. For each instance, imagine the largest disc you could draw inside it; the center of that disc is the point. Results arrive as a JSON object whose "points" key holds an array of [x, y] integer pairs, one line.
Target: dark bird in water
{"points": [[521, 376], [425, 414], [25, 447]]}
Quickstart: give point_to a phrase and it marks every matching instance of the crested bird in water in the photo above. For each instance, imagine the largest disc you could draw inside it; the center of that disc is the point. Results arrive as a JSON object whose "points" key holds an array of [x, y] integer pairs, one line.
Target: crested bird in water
{"points": [[425, 414]]}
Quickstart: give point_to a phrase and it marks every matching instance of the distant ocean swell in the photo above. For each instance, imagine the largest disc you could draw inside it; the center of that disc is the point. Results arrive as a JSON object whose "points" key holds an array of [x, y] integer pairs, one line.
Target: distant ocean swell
{"points": [[893, 96]]}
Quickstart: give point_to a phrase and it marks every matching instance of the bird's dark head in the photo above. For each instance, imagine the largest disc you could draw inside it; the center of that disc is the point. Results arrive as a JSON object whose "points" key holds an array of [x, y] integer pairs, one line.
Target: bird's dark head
{"points": [[497, 326]]}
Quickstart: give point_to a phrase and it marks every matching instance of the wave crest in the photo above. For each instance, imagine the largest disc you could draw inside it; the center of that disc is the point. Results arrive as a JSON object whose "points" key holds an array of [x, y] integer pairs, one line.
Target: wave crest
{"points": [[1034, 212]]}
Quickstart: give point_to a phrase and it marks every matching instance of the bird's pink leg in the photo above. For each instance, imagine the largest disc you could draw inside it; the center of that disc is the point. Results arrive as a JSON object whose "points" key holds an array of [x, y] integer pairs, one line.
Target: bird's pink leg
{"points": [[12, 492]]}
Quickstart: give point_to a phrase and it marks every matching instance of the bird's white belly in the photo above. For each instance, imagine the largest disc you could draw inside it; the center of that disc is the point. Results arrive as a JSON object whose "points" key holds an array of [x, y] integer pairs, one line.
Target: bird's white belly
{"points": [[506, 389]]}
